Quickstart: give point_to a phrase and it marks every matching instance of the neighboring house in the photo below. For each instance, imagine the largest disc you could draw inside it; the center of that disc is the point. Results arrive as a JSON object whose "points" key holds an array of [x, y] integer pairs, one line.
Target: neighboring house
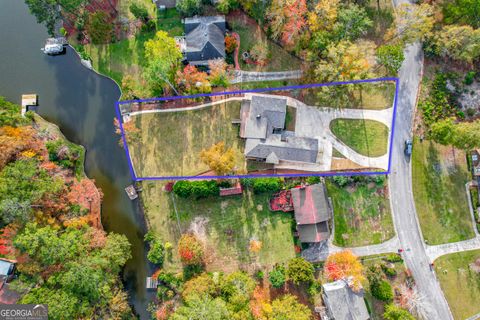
{"points": [[164, 4], [263, 127], [475, 156], [204, 39], [342, 303], [7, 272], [7, 269], [312, 212]]}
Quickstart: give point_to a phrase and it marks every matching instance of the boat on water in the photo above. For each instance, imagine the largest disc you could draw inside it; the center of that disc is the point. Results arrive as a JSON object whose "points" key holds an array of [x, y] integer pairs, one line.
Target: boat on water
{"points": [[54, 46]]}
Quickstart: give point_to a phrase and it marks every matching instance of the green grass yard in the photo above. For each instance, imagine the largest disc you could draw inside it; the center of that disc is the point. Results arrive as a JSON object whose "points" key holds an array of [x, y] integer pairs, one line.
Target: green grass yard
{"points": [[124, 7], [170, 143], [367, 137], [361, 214], [439, 176], [127, 56], [226, 225], [121, 58], [460, 283]]}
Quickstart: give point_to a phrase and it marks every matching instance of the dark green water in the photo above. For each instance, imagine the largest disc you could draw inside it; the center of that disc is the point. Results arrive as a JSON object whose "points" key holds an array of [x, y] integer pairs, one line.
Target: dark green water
{"points": [[81, 103]]}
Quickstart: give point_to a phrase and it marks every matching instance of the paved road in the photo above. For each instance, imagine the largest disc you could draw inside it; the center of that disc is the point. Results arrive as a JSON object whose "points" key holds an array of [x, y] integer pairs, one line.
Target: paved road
{"points": [[402, 202]]}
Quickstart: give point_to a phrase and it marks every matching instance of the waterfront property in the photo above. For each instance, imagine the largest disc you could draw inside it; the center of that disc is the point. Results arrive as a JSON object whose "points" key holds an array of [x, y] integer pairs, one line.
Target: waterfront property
{"points": [[269, 134]]}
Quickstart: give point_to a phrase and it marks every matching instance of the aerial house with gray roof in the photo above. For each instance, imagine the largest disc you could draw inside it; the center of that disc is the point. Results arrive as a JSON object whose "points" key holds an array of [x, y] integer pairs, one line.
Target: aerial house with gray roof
{"points": [[204, 39], [342, 303], [263, 127]]}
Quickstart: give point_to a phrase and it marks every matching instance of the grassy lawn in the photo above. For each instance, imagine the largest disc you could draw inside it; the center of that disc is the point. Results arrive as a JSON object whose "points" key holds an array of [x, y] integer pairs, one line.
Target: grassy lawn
{"points": [[460, 284], [290, 118], [250, 34], [120, 58], [361, 214], [170, 143], [439, 177], [226, 225], [367, 137], [368, 96], [127, 56], [124, 7], [170, 21]]}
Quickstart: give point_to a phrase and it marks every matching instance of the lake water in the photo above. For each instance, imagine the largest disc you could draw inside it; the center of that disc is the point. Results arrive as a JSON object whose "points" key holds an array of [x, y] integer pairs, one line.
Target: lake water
{"points": [[81, 103]]}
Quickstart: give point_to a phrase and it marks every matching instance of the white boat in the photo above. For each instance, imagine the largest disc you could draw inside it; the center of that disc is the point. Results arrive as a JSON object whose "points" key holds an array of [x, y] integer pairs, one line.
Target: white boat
{"points": [[53, 46]]}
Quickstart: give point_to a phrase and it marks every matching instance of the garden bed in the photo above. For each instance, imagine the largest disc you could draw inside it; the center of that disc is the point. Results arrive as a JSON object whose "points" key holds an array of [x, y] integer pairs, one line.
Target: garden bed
{"points": [[362, 213]]}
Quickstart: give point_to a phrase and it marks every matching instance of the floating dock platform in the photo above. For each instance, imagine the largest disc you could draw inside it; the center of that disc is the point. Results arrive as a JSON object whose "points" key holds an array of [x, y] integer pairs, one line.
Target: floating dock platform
{"points": [[131, 192]]}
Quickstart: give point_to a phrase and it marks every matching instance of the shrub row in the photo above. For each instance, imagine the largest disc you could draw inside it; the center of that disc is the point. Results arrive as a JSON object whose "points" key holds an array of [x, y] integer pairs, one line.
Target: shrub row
{"points": [[198, 189]]}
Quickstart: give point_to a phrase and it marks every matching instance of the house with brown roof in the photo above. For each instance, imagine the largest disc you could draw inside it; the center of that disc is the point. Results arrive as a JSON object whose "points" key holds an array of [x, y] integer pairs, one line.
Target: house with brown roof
{"points": [[312, 212]]}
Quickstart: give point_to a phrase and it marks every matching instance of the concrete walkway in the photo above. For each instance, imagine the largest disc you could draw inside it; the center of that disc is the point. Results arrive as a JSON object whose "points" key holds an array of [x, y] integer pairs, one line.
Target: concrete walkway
{"points": [[315, 122], [254, 76], [433, 252], [320, 252]]}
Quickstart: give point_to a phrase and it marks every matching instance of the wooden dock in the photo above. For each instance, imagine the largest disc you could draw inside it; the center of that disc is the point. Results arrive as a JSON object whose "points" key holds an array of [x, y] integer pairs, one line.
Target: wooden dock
{"points": [[28, 100], [151, 283]]}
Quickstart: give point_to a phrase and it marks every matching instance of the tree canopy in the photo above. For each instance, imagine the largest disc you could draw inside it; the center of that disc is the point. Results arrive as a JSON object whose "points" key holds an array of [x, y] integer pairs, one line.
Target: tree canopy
{"points": [[82, 268], [300, 270], [219, 158], [288, 307], [163, 59], [342, 265]]}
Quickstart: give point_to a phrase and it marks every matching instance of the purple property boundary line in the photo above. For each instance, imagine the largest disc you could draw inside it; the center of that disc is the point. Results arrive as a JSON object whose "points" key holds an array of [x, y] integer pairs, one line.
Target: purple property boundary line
{"points": [[306, 86]]}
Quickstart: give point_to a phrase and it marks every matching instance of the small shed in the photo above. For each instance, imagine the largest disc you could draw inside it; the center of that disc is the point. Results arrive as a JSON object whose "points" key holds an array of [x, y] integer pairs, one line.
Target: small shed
{"points": [[236, 189]]}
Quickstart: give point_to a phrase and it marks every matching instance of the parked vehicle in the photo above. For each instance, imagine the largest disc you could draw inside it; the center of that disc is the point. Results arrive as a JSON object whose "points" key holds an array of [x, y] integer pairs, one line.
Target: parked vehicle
{"points": [[408, 147]]}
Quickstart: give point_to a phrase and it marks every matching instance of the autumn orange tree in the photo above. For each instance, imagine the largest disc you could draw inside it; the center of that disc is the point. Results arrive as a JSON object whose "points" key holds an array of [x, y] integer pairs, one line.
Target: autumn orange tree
{"points": [[193, 81], [287, 20], [132, 133], [218, 73], [218, 158], [343, 265], [190, 250]]}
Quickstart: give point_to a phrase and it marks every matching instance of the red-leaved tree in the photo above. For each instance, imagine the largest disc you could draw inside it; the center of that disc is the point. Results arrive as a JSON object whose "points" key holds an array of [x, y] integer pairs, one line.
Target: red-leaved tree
{"points": [[344, 265], [190, 250]]}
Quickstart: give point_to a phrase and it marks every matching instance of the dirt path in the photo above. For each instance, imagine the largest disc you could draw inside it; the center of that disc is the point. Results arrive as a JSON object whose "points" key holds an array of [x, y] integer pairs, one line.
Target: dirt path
{"points": [[237, 50]]}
